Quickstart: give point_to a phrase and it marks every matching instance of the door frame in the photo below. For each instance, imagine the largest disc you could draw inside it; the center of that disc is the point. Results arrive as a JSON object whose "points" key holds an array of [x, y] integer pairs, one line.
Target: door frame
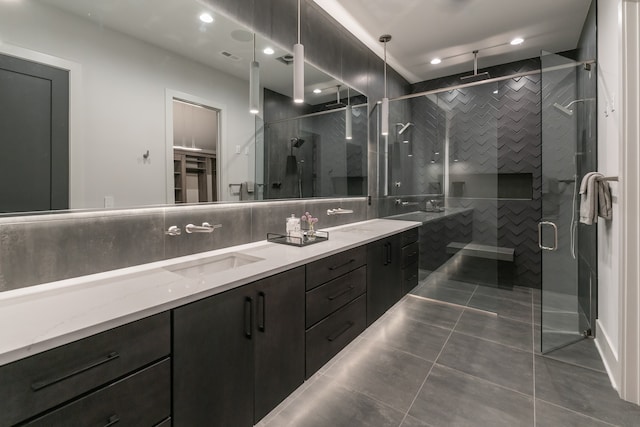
{"points": [[629, 296], [170, 95]]}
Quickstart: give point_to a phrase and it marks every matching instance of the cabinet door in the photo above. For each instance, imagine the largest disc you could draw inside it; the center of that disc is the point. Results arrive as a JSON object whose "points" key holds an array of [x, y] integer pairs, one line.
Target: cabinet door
{"points": [[213, 360], [279, 338], [384, 281]]}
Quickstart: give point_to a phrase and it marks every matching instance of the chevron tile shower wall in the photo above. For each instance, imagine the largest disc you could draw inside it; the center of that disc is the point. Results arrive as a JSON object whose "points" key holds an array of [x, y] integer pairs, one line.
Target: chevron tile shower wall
{"points": [[492, 130]]}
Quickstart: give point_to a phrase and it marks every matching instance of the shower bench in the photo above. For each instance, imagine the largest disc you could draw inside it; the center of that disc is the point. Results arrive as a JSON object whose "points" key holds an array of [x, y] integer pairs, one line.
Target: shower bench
{"points": [[474, 257], [481, 251]]}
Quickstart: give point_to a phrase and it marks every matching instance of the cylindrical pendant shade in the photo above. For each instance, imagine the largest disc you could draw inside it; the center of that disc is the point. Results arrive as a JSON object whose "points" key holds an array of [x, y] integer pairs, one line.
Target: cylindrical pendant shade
{"points": [[298, 73], [384, 116], [348, 122], [254, 88]]}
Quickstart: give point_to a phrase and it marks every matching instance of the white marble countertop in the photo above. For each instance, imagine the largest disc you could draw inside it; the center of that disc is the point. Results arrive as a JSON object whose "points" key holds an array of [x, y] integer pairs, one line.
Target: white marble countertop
{"points": [[39, 318]]}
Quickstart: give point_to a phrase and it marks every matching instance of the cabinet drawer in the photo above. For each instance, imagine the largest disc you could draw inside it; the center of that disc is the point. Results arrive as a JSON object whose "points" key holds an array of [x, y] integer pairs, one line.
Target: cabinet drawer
{"points": [[45, 380], [142, 399], [323, 270], [410, 254], [409, 278], [332, 334], [327, 298], [410, 236]]}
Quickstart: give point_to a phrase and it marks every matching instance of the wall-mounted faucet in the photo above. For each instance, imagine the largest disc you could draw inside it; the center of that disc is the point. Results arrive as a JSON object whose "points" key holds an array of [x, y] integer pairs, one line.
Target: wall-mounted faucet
{"points": [[204, 228], [339, 211]]}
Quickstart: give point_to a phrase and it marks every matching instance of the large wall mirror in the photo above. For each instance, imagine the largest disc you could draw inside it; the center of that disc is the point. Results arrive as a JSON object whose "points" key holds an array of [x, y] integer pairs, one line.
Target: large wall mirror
{"points": [[109, 104]]}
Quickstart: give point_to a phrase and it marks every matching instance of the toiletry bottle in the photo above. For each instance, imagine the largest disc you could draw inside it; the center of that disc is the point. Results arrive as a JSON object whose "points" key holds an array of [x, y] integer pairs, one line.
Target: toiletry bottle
{"points": [[294, 233]]}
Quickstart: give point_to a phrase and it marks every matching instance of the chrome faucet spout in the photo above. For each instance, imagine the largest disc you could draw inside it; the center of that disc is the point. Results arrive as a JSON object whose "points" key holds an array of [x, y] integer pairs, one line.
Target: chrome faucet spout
{"points": [[204, 228]]}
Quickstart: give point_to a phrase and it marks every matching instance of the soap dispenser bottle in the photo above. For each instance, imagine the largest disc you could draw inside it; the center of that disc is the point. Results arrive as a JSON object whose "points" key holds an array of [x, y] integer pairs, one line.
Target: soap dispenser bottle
{"points": [[294, 233]]}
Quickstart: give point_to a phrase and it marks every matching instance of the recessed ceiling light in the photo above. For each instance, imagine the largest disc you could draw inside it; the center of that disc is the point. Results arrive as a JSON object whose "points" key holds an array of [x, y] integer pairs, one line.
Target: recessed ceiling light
{"points": [[495, 91], [436, 61], [268, 51], [317, 91], [517, 41], [206, 18]]}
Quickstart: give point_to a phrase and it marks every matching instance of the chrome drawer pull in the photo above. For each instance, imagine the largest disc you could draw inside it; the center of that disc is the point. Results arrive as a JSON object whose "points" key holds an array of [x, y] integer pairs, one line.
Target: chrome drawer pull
{"points": [[113, 419], [335, 267], [335, 336], [39, 385], [346, 291]]}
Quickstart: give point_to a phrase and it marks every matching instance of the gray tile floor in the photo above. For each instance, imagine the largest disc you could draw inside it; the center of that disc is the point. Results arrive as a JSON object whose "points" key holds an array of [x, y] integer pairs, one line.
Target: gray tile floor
{"points": [[432, 363]]}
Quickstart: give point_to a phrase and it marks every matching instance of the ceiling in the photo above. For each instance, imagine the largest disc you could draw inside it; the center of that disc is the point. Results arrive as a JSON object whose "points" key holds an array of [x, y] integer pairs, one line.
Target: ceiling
{"points": [[452, 29], [174, 25]]}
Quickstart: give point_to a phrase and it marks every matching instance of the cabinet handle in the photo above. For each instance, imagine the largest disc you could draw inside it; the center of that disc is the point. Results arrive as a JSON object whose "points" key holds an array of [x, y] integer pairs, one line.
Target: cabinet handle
{"points": [[248, 316], [262, 306], [346, 327], [113, 419], [411, 254], [385, 257], [335, 267], [410, 279], [388, 253], [39, 385], [339, 294]]}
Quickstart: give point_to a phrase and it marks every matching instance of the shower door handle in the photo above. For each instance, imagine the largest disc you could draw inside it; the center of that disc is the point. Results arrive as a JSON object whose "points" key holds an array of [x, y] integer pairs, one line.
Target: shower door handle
{"points": [[555, 236]]}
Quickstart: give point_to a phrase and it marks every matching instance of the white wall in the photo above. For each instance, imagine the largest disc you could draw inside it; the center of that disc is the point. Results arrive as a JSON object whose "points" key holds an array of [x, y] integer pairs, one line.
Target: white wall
{"points": [[120, 108], [609, 141]]}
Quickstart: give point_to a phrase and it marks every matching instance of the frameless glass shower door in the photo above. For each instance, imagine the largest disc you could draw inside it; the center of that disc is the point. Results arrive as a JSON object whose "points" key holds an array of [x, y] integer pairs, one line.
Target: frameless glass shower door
{"points": [[564, 319]]}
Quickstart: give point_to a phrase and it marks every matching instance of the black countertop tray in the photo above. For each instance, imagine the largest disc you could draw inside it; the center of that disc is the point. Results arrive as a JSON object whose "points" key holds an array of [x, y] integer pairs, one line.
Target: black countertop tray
{"points": [[320, 236]]}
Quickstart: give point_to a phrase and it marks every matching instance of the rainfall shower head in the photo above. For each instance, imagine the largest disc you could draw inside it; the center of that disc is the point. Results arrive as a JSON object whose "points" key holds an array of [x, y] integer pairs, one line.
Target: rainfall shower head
{"points": [[338, 102], [404, 127], [475, 76]]}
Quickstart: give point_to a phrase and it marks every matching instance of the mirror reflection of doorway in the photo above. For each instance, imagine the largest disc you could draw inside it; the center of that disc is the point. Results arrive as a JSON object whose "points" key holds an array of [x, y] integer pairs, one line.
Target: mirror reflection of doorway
{"points": [[195, 142]]}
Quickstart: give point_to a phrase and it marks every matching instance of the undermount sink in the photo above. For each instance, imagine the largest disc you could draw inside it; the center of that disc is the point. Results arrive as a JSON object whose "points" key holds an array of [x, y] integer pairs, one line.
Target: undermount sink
{"points": [[215, 264]]}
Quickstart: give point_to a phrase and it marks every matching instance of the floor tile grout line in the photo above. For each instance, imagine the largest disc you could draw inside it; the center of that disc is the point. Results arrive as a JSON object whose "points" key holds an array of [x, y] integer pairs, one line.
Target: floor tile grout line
{"points": [[390, 347], [453, 304], [472, 294], [577, 413], [346, 387], [431, 369], [484, 380], [555, 359], [492, 341]]}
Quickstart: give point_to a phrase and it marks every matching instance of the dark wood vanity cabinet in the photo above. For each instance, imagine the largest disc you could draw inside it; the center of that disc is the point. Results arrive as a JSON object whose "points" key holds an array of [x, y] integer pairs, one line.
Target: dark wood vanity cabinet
{"points": [[384, 281], [392, 271], [335, 305], [410, 259], [240, 353], [86, 379]]}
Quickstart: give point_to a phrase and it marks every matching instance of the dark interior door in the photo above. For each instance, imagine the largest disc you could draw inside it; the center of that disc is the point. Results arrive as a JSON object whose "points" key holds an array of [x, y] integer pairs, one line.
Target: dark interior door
{"points": [[34, 136]]}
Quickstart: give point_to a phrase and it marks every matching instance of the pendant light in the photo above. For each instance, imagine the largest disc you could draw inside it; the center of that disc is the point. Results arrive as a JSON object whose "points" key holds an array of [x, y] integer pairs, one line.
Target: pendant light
{"points": [[384, 109], [298, 67], [254, 82], [348, 117]]}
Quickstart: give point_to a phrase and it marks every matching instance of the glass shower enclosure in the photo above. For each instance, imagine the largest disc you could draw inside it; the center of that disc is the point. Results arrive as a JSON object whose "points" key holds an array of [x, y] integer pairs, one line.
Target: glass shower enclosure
{"points": [[503, 157]]}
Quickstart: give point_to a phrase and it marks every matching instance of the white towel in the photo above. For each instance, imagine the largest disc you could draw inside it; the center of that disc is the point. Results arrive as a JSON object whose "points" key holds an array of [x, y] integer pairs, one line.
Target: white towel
{"points": [[604, 199], [589, 198], [595, 198]]}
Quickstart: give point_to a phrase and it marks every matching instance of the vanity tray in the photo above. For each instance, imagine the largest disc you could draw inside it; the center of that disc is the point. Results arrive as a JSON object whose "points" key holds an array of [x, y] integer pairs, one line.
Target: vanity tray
{"points": [[305, 240]]}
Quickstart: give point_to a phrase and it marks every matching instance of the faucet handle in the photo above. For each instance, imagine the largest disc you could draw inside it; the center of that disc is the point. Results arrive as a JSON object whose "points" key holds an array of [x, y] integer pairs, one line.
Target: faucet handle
{"points": [[174, 230]]}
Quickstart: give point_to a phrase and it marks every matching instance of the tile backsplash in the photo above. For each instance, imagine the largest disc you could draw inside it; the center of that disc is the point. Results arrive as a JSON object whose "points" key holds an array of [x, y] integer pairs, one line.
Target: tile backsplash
{"points": [[44, 248]]}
